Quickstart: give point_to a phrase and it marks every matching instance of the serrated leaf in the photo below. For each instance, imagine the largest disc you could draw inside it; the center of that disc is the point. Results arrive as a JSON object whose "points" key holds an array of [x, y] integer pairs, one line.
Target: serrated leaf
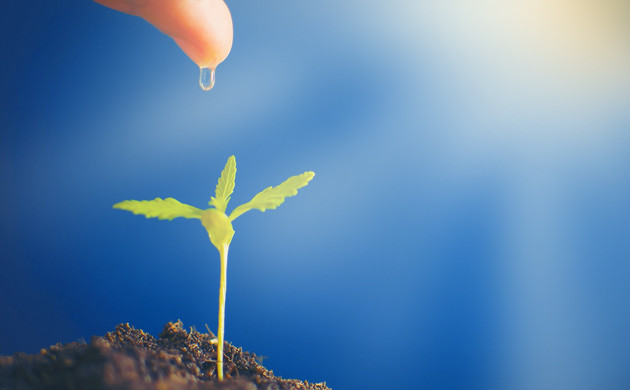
{"points": [[272, 197], [225, 186], [168, 208]]}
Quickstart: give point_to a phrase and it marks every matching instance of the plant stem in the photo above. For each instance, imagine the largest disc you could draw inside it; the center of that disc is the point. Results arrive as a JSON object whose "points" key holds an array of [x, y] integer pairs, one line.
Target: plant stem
{"points": [[223, 251]]}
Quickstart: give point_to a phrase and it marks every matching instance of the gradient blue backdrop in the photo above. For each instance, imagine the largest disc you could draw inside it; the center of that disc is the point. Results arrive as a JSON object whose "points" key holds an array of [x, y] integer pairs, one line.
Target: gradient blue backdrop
{"points": [[468, 226]]}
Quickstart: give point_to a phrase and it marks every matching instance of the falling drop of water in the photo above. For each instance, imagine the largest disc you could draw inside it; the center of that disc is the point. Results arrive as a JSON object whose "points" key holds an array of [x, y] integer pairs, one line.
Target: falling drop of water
{"points": [[206, 78]]}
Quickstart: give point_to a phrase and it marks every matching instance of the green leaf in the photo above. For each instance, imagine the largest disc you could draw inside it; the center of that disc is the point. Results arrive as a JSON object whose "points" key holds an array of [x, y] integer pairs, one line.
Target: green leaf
{"points": [[168, 208], [272, 197], [225, 186]]}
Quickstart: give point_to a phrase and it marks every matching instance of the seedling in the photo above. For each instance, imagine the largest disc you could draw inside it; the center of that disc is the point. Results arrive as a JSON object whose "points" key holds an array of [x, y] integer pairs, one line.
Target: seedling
{"points": [[218, 223]]}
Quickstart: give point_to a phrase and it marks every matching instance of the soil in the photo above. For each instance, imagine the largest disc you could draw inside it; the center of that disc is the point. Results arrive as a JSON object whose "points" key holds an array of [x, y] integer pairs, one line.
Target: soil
{"points": [[130, 359]]}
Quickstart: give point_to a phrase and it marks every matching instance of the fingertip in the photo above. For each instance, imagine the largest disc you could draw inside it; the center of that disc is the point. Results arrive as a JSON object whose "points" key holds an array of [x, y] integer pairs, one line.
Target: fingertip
{"points": [[202, 28], [209, 39]]}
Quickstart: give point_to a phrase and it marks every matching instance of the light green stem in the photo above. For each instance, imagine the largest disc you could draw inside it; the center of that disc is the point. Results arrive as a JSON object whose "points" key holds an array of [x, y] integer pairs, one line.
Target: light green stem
{"points": [[223, 251]]}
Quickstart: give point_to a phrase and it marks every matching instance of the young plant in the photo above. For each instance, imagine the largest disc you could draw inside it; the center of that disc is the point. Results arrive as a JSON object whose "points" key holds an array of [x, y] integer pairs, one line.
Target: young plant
{"points": [[218, 223]]}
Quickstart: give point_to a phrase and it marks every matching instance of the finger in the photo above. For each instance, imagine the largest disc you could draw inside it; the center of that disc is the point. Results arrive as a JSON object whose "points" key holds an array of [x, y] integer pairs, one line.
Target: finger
{"points": [[202, 28], [119, 5]]}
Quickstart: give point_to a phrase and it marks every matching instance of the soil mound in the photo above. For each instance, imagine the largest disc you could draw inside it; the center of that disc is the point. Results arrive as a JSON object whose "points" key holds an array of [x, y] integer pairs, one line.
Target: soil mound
{"points": [[130, 359]]}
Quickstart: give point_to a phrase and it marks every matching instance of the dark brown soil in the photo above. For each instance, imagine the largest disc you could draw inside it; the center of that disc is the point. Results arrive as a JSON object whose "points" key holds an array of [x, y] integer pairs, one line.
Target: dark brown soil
{"points": [[130, 359]]}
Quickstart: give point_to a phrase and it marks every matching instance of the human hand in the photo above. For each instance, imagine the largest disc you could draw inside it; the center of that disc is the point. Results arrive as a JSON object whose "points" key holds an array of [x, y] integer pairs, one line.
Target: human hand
{"points": [[201, 28]]}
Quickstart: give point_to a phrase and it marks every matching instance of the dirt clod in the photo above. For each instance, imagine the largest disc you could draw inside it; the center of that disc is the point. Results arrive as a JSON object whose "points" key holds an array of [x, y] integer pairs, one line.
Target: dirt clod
{"points": [[130, 359]]}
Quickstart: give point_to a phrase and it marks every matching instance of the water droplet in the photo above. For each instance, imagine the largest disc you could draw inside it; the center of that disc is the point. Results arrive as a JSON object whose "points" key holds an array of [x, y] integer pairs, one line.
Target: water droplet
{"points": [[206, 78]]}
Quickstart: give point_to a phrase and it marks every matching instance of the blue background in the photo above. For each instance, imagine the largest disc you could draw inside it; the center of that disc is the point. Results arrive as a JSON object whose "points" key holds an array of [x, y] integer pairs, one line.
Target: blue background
{"points": [[468, 226]]}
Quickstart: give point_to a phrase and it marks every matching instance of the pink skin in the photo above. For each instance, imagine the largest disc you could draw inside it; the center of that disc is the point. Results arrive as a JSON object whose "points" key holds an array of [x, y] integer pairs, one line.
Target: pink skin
{"points": [[201, 28]]}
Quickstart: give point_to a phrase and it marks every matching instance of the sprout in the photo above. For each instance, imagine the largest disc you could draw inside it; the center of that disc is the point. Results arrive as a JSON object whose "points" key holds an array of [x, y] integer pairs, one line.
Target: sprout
{"points": [[218, 223]]}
